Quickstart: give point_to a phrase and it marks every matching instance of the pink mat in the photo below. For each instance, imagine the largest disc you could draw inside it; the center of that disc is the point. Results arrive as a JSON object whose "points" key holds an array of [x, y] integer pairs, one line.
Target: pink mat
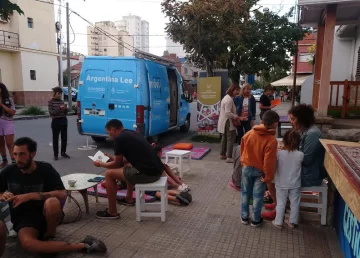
{"points": [[197, 153], [120, 194]]}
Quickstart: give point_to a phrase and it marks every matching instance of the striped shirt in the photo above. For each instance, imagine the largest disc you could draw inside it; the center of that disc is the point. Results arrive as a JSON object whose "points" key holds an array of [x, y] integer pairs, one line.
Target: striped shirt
{"points": [[54, 108]]}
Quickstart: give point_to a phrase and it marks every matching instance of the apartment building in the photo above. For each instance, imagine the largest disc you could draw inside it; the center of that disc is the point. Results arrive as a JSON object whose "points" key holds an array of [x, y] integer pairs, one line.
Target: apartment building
{"points": [[113, 42], [175, 48], [28, 53], [138, 29]]}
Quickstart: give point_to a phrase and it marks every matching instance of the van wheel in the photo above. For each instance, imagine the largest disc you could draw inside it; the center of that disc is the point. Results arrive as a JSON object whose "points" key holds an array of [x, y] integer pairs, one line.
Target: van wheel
{"points": [[185, 128], [98, 139]]}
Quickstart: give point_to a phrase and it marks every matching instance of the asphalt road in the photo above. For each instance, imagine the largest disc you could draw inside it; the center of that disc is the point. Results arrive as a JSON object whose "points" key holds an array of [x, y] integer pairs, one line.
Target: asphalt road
{"points": [[40, 130]]}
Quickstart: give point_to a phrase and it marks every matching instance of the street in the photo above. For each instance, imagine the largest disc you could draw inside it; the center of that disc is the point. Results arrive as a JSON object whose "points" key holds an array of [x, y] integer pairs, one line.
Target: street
{"points": [[40, 130]]}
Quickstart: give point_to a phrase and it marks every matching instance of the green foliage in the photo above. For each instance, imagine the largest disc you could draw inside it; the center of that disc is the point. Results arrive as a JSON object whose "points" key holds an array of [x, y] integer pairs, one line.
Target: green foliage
{"points": [[7, 9], [33, 111]]}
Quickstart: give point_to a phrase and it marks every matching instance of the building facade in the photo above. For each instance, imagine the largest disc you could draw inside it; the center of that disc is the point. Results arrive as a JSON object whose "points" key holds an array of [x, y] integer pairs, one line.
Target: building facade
{"points": [[305, 56], [138, 29], [175, 48], [28, 53]]}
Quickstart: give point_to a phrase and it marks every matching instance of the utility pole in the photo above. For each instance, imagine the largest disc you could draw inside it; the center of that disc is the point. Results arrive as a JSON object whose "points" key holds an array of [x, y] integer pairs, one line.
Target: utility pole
{"points": [[68, 56], [60, 51], [296, 61]]}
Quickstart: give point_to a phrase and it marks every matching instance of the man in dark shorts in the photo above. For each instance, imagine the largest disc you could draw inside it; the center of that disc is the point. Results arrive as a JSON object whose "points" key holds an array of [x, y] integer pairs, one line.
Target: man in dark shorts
{"points": [[34, 190], [146, 165]]}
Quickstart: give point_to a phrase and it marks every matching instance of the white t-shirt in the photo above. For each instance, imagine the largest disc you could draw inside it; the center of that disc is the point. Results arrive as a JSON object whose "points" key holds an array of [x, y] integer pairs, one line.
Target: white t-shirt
{"points": [[288, 170], [245, 109]]}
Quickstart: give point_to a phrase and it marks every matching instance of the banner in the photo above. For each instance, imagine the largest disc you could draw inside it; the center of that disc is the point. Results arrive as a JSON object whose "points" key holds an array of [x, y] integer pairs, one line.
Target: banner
{"points": [[208, 105]]}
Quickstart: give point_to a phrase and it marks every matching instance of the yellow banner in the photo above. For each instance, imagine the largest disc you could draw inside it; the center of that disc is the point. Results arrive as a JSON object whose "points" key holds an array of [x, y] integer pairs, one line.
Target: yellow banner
{"points": [[209, 90]]}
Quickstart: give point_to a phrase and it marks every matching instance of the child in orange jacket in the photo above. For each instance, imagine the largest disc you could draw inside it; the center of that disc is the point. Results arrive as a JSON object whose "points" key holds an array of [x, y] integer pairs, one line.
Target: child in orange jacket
{"points": [[258, 158]]}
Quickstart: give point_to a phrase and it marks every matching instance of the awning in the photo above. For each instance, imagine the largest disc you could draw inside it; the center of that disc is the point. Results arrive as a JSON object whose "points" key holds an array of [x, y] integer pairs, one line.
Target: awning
{"points": [[289, 80]]}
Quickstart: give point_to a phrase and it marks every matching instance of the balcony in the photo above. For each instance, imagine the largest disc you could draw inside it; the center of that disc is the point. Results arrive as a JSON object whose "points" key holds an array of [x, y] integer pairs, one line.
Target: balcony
{"points": [[9, 41]]}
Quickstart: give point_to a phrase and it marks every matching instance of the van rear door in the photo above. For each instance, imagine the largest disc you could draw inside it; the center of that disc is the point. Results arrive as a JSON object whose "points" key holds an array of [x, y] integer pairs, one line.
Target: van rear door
{"points": [[93, 95], [159, 118], [122, 92]]}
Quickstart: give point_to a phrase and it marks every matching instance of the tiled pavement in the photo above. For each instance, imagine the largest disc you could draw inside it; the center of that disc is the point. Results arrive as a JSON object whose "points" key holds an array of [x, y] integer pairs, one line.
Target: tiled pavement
{"points": [[208, 227]]}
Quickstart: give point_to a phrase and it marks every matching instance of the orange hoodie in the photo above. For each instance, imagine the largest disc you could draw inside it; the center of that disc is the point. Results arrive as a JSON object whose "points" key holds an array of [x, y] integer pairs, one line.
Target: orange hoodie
{"points": [[258, 150]]}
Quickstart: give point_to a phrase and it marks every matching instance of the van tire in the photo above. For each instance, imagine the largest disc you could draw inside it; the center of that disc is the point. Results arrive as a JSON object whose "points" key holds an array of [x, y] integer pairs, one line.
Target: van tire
{"points": [[98, 139], [185, 128]]}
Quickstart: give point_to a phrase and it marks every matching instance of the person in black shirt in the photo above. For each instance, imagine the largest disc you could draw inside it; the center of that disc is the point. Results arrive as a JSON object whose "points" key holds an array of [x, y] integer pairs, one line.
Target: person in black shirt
{"points": [[146, 165], [34, 191], [265, 100]]}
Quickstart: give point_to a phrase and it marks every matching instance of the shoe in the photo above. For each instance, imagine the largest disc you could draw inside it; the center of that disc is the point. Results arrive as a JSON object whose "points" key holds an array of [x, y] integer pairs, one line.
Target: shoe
{"points": [[186, 188], [291, 225], [93, 245], [56, 158], [244, 221], [64, 155], [182, 200], [257, 224], [269, 215], [106, 215], [276, 225], [229, 160], [270, 206], [187, 196], [223, 157]]}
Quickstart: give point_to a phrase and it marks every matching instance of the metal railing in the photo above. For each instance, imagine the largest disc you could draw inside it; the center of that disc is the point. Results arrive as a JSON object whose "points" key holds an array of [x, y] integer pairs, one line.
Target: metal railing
{"points": [[9, 39]]}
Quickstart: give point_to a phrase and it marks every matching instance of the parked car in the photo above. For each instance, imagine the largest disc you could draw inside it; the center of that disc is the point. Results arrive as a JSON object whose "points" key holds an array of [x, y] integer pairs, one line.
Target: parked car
{"points": [[146, 95], [257, 95], [74, 93]]}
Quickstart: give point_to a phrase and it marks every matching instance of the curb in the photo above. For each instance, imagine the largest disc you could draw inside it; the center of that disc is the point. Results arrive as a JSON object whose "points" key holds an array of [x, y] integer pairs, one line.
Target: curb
{"points": [[35, 117]]}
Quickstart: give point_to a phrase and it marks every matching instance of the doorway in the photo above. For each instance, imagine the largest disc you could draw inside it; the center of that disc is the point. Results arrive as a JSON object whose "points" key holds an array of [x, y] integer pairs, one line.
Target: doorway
{"points": [[173, 84]]}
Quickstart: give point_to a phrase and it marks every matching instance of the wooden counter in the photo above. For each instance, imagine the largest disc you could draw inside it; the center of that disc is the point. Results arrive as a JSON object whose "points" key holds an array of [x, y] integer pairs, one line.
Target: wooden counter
{"points": [[346, 189]]}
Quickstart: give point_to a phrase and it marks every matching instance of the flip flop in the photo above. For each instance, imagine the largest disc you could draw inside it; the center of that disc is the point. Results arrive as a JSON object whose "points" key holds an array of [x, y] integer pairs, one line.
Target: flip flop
{"points": [[124, 202], [233, 186]]}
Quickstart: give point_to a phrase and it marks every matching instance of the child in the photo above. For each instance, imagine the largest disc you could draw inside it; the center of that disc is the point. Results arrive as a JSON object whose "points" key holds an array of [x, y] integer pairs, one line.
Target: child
{"points": [[265, 100], [173, 180], [288, 179], [258, 158]]}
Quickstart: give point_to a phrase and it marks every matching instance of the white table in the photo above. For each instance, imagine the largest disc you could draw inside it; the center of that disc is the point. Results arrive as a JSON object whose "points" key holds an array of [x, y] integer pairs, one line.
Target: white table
{"points": [[178, 156], [81, 186]]}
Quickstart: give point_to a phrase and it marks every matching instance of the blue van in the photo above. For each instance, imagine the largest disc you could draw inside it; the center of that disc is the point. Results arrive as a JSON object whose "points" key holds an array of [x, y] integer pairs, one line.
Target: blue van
{"points": [[145, 92]]}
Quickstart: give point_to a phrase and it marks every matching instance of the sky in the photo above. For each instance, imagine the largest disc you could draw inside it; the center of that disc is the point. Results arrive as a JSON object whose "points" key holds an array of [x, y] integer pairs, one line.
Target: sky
{"points": [[149, 10]]}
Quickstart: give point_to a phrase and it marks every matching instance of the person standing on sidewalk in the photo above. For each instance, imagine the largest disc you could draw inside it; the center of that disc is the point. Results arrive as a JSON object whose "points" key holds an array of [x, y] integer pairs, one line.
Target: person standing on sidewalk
{"points": [[228, 121], [7, 130], [59, 124], [265, 100]]}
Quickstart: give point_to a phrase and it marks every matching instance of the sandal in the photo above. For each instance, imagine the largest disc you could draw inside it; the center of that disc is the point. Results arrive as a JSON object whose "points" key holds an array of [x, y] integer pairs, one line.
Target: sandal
{"points": [[106, 215], [124, 202]]}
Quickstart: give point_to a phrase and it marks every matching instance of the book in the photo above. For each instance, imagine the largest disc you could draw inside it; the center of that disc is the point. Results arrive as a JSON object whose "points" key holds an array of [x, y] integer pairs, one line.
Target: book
{"points": [[99, 156], [276, 102]]}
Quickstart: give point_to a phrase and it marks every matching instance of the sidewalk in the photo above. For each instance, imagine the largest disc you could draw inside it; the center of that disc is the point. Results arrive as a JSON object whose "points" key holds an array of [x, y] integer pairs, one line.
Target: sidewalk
{"points": [[209, 227], [18, 115]]}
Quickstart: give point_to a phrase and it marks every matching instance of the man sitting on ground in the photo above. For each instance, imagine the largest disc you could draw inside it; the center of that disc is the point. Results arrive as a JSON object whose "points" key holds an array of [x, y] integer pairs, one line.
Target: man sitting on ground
{"points": [[34, 190], [146, 166]]}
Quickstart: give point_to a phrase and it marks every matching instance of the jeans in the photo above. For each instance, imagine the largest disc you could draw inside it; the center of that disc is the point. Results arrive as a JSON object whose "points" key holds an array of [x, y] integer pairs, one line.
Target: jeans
{"points": [[251, 185], [59, 126], [228, 140], [281, 200]]}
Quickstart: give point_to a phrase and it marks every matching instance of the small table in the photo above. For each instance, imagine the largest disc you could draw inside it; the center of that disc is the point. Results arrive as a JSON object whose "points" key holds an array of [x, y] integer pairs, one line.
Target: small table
{"points": [[179, 155], [283, 120], [81, 186]]}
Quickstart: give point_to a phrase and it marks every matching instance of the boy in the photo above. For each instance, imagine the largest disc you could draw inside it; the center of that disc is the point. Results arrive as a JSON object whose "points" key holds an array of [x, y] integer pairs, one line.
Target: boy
{"points": [[258, 158], [265, 100]]}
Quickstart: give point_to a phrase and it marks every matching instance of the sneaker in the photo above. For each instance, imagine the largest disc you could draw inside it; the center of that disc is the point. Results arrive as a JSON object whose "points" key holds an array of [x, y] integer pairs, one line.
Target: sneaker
{"points": [[244, 221], [56, 158], [106, 215], [269, 215], [229, 160], [186, 188], [93, 245], [276, 225], [64, 155], [257, 224], [291, 225], [271, 206], [223, 157], [181, 188]]}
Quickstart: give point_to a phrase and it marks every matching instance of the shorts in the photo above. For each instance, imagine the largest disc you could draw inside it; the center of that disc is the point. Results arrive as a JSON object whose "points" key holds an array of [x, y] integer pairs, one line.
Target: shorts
{"points": [[6, 127], [133, 176]]}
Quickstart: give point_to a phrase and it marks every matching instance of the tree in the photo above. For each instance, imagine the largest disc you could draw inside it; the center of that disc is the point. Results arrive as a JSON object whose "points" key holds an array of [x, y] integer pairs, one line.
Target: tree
{"points": [[7, 9], [268, 45], [206, 28]]}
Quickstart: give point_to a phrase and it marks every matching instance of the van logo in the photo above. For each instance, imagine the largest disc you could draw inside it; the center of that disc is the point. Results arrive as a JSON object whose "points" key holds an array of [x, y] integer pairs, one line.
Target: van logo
{"points": [[97, 79], [208, 86], [93, 104]]}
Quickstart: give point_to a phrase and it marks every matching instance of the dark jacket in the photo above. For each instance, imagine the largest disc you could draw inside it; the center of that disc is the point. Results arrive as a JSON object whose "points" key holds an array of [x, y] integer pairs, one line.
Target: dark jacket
{"points": [[238, 101]]}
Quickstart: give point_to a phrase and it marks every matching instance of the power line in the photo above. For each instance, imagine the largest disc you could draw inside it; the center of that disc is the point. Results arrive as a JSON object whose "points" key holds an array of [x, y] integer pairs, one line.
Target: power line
{"points": [[116, 46], [132, 35]]}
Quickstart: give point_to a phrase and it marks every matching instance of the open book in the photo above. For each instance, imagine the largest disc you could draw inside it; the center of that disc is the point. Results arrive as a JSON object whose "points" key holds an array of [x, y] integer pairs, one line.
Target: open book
{"points": [[99, 156]]}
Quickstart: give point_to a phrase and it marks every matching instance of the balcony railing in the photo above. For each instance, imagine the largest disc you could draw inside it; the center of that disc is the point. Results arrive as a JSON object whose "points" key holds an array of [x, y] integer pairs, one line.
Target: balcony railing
{"points": [[9, 40]]}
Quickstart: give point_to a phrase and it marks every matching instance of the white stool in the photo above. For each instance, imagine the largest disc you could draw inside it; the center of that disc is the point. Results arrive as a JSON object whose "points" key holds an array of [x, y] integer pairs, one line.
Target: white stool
{"points": [[161, 186], [179, 156], [322, 199]]}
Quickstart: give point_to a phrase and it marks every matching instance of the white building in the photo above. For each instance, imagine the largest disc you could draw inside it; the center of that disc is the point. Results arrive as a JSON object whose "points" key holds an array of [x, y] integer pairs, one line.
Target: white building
{"points": [[138, 29], [113, 42], [175, 48], [28, 53]]}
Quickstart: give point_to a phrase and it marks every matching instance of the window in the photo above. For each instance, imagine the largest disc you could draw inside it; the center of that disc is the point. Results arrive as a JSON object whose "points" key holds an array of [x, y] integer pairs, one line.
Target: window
{"points": [[30, 22], [357, 75], [305, 57], [105, 49], [33, 75]]}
